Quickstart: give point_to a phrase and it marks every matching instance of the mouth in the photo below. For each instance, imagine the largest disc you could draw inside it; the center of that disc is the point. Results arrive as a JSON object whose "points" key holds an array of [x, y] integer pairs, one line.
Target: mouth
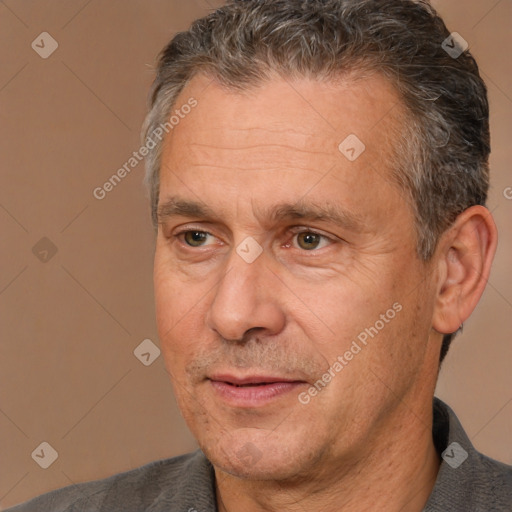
{"points": [[252, 390]]}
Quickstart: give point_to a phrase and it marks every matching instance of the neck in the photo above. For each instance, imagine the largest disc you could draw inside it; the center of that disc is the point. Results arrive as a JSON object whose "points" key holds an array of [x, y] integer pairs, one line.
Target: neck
{"points": [[396, 471]]}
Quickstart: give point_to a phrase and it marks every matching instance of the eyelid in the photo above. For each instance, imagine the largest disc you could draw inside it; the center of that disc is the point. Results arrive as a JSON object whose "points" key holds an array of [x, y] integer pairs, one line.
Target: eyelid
{"points": [[186, 228], [178, 235], [307, 229], [190, 226], [297, 230], [179, 231]]}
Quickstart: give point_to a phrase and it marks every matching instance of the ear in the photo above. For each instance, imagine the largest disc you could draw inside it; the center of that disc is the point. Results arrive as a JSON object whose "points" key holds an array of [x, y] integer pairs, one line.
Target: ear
{"points": [[464, 255]]}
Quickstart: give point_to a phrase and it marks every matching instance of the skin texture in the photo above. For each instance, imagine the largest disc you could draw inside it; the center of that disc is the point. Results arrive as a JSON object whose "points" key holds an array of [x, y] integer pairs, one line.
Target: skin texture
{"points": [[254, 164]]}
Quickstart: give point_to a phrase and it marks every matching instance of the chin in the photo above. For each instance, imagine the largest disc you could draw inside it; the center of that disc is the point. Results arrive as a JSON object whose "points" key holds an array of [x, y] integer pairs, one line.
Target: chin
{"points": [[249, 454]]}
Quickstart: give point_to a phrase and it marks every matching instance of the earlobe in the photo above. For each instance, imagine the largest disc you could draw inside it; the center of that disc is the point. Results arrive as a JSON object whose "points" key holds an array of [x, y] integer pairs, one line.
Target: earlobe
{"points": [[464, 254]]}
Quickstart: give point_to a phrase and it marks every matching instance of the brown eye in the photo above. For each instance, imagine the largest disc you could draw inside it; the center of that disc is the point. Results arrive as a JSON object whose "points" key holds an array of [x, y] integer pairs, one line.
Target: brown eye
{"points": [[195, 238]]}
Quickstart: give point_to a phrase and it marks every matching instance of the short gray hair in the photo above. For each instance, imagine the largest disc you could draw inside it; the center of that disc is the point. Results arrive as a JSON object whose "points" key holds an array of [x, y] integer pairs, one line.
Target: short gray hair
{"points": [[441, 160]]}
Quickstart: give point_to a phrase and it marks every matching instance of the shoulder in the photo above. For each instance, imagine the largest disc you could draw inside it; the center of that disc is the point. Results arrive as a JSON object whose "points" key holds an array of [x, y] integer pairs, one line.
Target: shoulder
{"points": [[468, 481], [493, 480], [178, 482]]}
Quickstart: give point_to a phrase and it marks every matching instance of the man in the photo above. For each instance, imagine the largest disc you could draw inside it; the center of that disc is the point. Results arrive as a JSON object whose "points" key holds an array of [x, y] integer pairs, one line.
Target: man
{"points": [[318, 174]]}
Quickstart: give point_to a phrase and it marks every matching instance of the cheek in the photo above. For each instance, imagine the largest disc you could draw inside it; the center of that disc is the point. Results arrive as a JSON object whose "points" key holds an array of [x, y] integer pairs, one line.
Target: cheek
{"points": [[338, 311], [179, 315], [175, 297], [166, 301], [360, 320]]}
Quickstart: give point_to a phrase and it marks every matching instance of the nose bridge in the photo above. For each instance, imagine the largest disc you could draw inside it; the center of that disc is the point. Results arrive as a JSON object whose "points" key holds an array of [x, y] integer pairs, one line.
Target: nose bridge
{"points": [[244, 299], [240, 281]]}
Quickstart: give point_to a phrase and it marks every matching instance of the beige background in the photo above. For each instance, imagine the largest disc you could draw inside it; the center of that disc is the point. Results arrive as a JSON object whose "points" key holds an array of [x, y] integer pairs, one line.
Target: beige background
{"points": [[70, 325]]}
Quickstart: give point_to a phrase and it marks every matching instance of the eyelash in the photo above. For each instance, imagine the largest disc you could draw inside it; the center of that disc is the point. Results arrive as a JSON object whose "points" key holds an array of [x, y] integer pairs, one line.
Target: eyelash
{"points": [[181, 235], [295, 232]]}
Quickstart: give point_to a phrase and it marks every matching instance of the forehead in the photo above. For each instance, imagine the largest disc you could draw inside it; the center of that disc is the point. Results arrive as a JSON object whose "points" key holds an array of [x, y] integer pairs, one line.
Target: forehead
{"points": [[299, 110], [288, 134]]}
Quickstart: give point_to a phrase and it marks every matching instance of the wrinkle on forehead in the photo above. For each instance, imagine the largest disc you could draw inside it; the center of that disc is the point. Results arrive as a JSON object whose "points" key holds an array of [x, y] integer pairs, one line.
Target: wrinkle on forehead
{"points": [[230, 138], [306, 118], [277, 149]]}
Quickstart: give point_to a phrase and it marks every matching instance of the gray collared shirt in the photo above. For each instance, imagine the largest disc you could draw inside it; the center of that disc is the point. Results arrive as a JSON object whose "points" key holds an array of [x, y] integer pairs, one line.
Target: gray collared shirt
{"points": [[467, 482]]}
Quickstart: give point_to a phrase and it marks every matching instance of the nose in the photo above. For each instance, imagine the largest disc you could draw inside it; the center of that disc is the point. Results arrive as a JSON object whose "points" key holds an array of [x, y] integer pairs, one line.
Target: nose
{"points": [[246, 299]]}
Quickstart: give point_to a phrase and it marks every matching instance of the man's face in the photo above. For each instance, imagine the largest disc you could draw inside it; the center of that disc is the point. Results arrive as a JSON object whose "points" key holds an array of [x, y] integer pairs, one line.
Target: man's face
{"points": [[279, 255]]}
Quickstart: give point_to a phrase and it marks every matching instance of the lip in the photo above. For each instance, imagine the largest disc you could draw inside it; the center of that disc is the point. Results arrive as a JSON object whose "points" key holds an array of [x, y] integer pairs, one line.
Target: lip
{"points": [[250, 379], [252, 390]]}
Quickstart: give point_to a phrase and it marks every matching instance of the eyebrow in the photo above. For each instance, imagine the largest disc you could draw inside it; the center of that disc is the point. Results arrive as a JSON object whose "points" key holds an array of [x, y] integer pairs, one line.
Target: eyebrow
{"points": [[329, 213], [176, 207], [310, 211]]}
